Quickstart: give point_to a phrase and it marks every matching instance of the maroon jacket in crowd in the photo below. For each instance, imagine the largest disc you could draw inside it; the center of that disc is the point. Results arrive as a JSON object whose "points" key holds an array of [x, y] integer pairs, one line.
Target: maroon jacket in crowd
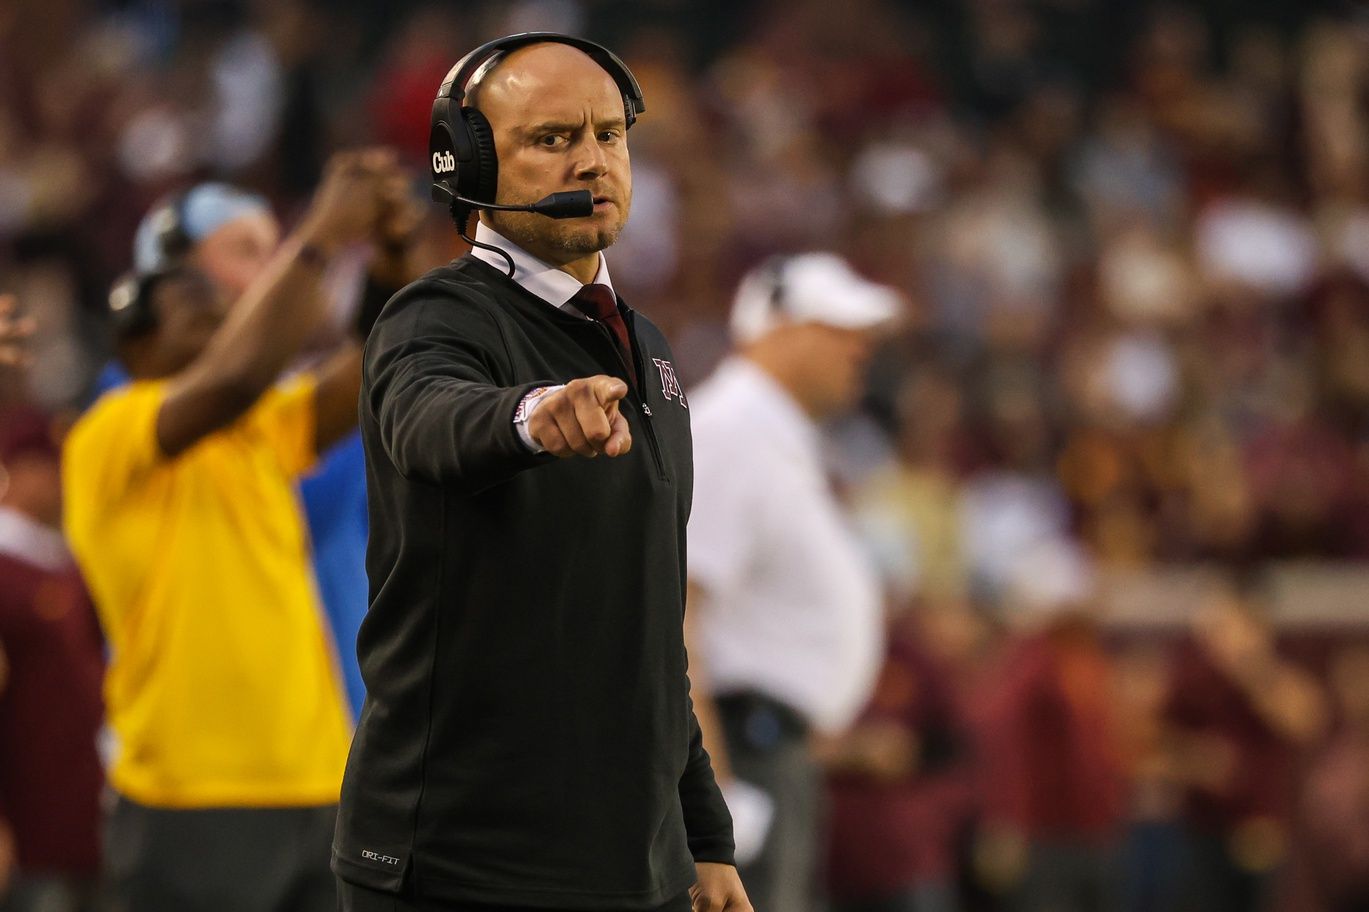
{"points": [[1049, 762], [1331, 832], [50, 713], [887, 836], [1204, 701]]}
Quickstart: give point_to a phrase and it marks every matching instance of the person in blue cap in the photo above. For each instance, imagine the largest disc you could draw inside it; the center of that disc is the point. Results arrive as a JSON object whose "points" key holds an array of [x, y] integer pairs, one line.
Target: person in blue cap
{"points": [[229, 722], [230, 234]]}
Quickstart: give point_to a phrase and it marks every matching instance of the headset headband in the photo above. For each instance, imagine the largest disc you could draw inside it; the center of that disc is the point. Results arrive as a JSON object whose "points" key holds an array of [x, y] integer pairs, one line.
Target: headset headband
{"points": [[130, 300], [774, 271], [161, 253], [454, 85], [170, 238]]}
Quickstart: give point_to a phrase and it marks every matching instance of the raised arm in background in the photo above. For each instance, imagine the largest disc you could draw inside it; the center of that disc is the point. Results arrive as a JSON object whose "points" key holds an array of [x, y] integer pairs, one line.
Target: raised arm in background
{"points": [[276, 315]]}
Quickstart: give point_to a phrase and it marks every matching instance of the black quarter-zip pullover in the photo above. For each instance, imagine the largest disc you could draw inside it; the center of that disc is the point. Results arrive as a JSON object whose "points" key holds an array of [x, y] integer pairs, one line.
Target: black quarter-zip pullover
{"points": [[527, 737]]}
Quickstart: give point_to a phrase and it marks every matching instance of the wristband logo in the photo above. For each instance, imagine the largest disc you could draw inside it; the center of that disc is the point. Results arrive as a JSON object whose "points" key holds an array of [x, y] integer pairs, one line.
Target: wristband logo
{"points": [[443, 162]]}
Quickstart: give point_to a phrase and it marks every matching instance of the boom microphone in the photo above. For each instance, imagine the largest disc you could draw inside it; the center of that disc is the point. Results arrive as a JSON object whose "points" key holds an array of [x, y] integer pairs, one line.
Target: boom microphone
{"points": [[566, 204]]}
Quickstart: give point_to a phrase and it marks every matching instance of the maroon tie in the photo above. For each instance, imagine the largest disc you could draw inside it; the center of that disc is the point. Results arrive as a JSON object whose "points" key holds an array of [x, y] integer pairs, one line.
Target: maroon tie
{"points": [[598, 302]]}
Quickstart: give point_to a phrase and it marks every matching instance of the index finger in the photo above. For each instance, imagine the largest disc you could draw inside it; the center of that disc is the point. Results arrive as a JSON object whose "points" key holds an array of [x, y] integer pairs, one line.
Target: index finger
{"points": [[608, 390], [8, 302]]}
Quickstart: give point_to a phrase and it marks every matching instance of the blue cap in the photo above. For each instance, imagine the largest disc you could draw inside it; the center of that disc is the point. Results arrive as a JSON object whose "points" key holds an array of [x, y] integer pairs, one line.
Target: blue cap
{"points": [[188, 217]]}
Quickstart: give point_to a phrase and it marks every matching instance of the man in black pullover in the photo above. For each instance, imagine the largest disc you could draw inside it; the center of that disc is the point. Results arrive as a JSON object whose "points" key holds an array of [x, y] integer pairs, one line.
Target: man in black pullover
{"points": [[528, 741]]}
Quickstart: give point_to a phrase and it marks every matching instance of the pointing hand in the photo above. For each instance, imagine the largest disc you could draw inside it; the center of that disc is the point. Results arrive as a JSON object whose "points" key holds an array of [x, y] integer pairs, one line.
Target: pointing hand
{"points": [[583, 419]]}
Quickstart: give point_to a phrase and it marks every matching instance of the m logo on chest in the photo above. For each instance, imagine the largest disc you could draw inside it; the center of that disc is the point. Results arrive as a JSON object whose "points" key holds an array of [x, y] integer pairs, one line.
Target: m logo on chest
{"points": [[670, 386]]}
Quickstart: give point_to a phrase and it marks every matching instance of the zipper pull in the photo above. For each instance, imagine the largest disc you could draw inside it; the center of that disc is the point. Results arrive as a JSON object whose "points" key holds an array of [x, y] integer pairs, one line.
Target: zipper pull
{"points": [[646, 409]]}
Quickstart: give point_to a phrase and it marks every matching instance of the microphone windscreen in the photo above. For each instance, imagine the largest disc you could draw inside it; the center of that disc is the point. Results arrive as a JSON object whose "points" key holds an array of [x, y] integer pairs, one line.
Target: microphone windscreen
{"points": [[567, 204]]}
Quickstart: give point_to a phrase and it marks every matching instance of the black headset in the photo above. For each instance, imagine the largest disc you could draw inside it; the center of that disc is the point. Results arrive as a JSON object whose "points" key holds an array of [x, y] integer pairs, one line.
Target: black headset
{"points": [[130, 299], [130, 302], [172, 237], [461, 151], [774, 271]]}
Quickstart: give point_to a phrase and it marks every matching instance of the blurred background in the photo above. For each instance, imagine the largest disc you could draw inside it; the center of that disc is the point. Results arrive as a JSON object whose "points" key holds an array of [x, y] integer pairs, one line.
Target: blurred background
{"points": [[1135, 237]]}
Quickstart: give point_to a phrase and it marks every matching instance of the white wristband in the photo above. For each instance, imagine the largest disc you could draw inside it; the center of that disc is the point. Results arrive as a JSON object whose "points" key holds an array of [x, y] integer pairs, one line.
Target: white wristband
{"points": [[526, 406]]}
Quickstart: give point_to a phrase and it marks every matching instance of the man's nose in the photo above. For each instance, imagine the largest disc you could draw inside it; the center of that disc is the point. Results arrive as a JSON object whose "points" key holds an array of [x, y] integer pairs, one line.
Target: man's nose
{"points": [[591, 161]]}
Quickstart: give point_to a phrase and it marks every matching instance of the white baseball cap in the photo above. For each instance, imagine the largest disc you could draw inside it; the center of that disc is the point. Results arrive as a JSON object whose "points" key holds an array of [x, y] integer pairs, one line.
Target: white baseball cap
{"points": [[809, 287]]}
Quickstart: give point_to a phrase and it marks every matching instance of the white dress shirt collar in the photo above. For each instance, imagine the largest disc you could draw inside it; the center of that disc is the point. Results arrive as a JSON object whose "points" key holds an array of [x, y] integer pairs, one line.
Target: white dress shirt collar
{"points": [[553, 285], [25, 538]]}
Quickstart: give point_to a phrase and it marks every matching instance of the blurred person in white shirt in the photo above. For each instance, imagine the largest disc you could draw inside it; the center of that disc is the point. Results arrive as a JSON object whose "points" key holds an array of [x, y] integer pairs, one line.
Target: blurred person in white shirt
{"points": [[785, 626]]}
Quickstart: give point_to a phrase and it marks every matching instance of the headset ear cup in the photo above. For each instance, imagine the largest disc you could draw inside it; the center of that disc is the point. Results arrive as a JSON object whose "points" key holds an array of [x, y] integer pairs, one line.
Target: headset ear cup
{"points": [[481, 181], [131, 311], [172, 240], [442, 165]]}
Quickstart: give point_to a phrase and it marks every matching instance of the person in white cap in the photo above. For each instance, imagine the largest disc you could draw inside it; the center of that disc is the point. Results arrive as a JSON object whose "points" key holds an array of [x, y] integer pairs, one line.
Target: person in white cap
{"points": [[785, 619]]}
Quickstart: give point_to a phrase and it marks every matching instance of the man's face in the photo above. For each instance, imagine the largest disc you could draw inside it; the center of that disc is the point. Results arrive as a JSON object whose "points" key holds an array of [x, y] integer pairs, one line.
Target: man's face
{"points": [[835, 360], [558, 125], [236, 252], [189, 307]]}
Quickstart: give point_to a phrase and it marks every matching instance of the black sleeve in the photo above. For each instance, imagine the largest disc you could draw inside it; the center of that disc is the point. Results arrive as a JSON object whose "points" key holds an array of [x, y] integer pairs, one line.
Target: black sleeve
{"points": [[708, 823], [374, 296], [431, 382]]}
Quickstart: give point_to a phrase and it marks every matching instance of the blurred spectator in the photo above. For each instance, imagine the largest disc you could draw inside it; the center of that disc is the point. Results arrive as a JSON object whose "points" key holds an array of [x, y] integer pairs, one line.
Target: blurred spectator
{"points": [[910, 512], [1153, 851], [1015, 502], [51, 665], [897, 791], [230, 235], [786, 612], [1256, 243], [1050, 769], [1333, 811], [1236, 714], [181, 510], [335, 506]]}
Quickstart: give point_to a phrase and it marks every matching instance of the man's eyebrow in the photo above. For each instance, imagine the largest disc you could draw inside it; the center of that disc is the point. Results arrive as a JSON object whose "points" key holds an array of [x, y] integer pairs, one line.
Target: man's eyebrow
{"points": [[552, 126]]}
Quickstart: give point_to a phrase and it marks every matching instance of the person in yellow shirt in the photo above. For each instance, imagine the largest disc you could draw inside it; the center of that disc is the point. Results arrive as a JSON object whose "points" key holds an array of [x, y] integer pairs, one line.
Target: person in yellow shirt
{"points": [[222, 692]]}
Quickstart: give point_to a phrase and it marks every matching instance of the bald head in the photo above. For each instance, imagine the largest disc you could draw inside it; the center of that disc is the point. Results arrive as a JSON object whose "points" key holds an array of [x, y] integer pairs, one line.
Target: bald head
{"points": [[533, 68], [559, 124]]}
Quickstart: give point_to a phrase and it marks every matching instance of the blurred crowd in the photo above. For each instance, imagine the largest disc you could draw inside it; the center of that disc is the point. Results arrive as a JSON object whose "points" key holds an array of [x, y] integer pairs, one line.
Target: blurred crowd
{"points": [[1135, 234], [1135, 237]]}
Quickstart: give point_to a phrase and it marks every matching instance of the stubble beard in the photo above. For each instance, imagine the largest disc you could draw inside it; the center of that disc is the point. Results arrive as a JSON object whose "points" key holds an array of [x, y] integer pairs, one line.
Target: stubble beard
{"points": [[556, 241]]}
